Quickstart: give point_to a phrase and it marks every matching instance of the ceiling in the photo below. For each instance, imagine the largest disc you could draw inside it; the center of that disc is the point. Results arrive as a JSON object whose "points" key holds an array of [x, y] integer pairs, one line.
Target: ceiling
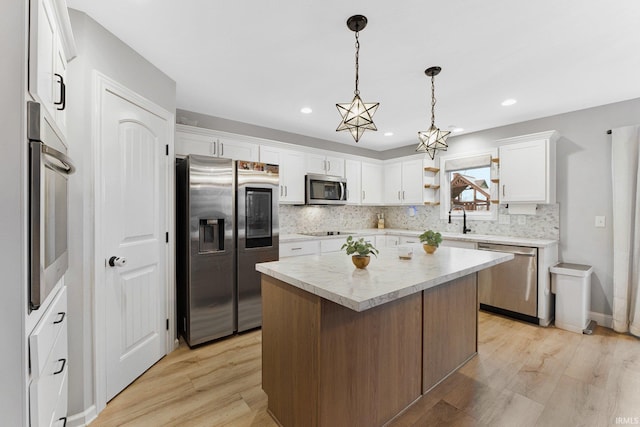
{"points": [[260, 62]]}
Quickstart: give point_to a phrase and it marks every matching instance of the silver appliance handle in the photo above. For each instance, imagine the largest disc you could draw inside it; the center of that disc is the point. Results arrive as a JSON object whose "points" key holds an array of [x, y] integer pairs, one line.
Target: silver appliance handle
{"points": [[343, 192], [67, 169], [509, 251]]}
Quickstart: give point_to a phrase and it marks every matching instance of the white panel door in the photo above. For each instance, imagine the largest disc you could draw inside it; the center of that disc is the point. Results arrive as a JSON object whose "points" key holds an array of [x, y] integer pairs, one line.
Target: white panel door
{"points": [[134, 166], [371, 184], [393, 183], [523, 172]]}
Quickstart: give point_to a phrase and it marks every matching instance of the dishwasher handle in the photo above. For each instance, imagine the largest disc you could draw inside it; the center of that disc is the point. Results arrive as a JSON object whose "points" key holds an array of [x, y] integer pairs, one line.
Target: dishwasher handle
{"points": [[522, 252]]}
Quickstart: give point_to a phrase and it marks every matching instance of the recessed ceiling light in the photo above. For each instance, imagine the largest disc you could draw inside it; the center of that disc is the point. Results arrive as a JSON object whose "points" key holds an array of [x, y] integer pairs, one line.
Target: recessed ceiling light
{"points": [[306, 110], [388, 134], [457, 129], [508, 102]]}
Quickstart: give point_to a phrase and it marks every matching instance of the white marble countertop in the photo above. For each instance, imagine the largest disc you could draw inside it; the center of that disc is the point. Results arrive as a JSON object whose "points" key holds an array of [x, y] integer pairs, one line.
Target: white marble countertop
{"points": [[334, 277], [469, 237]]}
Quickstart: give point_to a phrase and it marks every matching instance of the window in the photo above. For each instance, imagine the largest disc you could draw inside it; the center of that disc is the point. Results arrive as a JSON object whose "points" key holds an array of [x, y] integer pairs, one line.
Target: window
{"points": [[466, 182]]}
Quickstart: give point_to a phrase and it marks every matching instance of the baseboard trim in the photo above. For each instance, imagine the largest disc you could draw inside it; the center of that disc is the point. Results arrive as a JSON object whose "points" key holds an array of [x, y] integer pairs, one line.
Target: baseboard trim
{"points": [[83, 418], [605, 320]]}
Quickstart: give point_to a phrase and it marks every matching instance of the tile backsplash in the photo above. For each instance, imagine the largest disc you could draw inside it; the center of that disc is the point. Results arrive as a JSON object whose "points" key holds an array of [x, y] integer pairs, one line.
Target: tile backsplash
{"points": [[545, 224]]}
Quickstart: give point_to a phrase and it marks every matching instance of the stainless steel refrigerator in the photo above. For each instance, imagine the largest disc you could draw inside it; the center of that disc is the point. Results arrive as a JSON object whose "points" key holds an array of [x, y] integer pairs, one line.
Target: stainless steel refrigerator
{"points": [[226, 222]]}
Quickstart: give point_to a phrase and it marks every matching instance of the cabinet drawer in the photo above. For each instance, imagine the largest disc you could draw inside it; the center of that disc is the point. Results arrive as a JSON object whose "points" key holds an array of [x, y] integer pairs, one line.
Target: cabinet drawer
{"points": [[331, 245], [44, 335], [405, 240], [60, 415], [299, 248], [46, 391]]}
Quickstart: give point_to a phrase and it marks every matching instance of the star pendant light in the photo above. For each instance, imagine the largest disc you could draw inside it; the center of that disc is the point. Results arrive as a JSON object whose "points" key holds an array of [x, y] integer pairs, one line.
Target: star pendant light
{"points": [[357, 116], [433, 139]]}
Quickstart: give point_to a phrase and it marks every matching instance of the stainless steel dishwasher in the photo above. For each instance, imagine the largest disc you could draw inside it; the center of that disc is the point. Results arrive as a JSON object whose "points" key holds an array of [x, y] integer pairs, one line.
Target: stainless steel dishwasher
{"points": [[511, 288]]}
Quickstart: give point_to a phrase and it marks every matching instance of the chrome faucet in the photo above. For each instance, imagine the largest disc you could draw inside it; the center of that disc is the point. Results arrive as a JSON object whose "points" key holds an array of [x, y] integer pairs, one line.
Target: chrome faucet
{"points": [[465, 230]]}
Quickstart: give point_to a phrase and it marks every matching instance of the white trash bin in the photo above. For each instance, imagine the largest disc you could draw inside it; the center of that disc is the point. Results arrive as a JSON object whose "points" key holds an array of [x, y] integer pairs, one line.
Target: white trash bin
{"points": [[572, 285]]}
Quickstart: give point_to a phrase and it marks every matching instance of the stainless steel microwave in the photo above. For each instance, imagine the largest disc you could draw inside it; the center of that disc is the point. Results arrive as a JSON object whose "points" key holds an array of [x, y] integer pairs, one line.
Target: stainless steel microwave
{"points": [[49, 168], [325, 190]]}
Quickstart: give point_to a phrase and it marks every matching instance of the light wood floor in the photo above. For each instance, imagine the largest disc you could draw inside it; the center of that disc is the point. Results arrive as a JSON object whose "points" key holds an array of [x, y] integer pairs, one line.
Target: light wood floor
{"points": [[523, 376]]}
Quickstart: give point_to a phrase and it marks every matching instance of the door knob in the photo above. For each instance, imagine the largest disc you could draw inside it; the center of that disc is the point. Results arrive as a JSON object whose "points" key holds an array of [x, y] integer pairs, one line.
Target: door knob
{"points": [[117, 261]]}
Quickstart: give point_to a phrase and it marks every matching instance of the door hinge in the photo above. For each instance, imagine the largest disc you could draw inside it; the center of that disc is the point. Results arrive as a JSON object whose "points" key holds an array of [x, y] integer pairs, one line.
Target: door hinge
{"points": [[167, 149], [167, 237], [167, 324]]}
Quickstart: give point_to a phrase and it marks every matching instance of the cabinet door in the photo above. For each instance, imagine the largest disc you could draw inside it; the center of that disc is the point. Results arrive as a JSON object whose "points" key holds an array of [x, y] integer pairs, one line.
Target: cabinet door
{"points": [[59, 88], [352, 173], [335, 166], [393, 183], [523, 172], [190, 143], [315, 163], [412, 182], [42, 50], [292, 172], [371, 183], [236, 149]]}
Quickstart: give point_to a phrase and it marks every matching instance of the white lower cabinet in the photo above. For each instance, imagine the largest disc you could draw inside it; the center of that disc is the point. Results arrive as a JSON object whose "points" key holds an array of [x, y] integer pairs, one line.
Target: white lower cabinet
{"points": [[48, 350], [301, 247], [387, 241], [404, 240], [331, 245]]}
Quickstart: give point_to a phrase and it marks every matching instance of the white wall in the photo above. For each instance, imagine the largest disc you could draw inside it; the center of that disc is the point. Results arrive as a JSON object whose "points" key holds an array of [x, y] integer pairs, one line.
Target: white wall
{"points": [[13, 213], [97, 50], [583, 182]]}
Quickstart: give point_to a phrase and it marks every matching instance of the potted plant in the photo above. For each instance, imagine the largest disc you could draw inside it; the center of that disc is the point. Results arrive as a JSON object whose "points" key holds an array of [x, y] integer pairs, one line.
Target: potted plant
{"points": [[430, 241], [359, 250]]}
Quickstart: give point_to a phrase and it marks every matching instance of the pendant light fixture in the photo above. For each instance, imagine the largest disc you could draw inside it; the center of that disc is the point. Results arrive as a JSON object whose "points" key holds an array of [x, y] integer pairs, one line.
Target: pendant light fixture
{"points": [[433, 139], [357, 116]]}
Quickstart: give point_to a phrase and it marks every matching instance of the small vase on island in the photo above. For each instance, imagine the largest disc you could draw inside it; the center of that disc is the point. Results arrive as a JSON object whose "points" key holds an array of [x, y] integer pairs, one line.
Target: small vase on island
{"points": [[429, 248], [360, 261]]}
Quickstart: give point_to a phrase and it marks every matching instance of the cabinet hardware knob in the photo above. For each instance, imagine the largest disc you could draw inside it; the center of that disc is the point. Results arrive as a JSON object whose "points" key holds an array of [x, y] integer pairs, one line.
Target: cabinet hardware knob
{"points": [[63, 93], [64, 362], [61, 318]]}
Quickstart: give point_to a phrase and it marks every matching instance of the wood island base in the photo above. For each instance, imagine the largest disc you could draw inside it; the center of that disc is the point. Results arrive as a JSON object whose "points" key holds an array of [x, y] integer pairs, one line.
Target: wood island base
{"points": [[324, 364]]}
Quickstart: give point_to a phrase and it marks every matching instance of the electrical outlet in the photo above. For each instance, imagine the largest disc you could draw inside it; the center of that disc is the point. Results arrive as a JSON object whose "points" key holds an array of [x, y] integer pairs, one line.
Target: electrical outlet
{"points": [[600, 221], [504, 219], [522, 220]]}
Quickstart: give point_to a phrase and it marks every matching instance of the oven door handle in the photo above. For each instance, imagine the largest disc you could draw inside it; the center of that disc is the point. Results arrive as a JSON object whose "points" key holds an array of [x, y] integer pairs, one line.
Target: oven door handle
{"points": [[67, 167]]}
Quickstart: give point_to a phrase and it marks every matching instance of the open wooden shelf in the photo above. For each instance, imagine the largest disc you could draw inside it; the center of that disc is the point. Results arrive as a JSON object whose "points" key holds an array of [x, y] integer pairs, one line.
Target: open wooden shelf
{"points": [[432, 186], [495, 160], [496, 180], [431, 169], [432, 203], [495, 202]]}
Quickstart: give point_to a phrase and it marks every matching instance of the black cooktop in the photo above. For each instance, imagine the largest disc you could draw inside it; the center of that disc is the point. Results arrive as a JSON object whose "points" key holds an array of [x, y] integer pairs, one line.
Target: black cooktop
{"points": [[328, 233]]}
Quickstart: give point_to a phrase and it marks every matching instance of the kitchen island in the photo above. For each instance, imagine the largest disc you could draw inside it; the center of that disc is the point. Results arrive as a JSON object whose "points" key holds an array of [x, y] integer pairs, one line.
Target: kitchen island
{"points": [[343, 346]]}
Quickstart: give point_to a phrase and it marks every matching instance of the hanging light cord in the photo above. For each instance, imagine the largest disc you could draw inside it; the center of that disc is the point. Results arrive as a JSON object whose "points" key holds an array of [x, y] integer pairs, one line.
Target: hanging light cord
{"points": [[433, 102], [357, 92]]}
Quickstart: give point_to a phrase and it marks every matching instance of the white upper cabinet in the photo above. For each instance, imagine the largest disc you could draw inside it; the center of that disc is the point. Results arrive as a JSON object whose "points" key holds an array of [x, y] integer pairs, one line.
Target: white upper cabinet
{"points": [[325, 165], [352, 171], [370, 183], [403, 182], [291, 172], [528, 168], [194, 140], [51, 46]]}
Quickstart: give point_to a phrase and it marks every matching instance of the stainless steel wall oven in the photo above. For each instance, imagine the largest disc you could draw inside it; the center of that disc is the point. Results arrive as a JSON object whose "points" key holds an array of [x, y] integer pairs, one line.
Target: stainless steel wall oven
{"points": [[49, 168]]}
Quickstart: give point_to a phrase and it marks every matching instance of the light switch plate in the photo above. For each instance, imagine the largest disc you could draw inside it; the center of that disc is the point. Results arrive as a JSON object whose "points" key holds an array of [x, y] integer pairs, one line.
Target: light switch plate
{"points": [[600, 221]]}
